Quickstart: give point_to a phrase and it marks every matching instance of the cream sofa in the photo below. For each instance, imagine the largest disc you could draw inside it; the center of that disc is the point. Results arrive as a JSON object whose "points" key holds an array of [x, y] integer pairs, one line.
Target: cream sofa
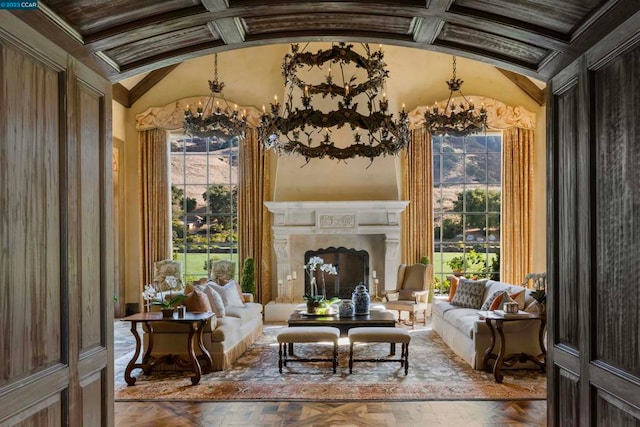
{"points": [[468, 336], [226, 338]]}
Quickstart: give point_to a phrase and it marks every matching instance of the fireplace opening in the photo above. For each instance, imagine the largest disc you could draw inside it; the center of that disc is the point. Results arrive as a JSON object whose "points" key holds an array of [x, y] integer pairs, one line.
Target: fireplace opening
{"points": [[352, 266]]}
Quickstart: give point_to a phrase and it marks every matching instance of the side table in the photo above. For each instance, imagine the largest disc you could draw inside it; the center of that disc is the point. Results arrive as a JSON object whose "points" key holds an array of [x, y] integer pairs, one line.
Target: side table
{"points": [[196, 322], [495, 323]]}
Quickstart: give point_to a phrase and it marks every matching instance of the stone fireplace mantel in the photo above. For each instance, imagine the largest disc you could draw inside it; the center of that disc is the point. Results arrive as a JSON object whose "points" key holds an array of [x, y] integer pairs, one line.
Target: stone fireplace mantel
{"points": [[337, 223]]}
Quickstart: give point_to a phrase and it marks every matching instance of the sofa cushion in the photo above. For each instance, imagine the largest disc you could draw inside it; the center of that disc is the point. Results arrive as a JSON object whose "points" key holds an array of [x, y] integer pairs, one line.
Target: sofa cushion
{"points": [[463, 319], [470, 293], [226, 329], [440, 308], [245, 314]]}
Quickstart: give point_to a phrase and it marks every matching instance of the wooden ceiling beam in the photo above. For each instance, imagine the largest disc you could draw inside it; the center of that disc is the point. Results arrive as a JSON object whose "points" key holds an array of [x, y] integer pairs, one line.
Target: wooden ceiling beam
{"points": [[149, 81], [526, 85], [120, 94], [230, 30]]}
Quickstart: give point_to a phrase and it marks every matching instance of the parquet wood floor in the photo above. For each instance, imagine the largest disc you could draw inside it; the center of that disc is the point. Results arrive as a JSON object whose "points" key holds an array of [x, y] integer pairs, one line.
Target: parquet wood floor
{"points": [[409, 414], [365, 414]]}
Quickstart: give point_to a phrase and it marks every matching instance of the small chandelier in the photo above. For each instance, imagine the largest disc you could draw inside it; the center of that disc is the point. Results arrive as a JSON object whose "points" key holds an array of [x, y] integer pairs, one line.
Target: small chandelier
{"points": [[454, 120], [307, 131], [214, 119]]}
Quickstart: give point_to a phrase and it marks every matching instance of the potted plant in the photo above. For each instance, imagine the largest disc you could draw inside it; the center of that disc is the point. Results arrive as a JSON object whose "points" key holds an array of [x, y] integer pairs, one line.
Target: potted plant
{"points": [[457, 265], [167, 305], [248, 282], [317, 303], [540, 295]]}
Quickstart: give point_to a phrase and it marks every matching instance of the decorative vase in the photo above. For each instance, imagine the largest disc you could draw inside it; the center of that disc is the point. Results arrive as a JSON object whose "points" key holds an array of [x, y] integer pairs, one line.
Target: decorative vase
{"points": [[542, 309], [361, 299], [347, 308], [167, 312]]}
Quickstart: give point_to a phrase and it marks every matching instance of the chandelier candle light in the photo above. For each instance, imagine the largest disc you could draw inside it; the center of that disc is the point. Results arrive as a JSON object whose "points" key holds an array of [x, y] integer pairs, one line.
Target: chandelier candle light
{"points": [[454, 120], [214, 119], [306, 131]]}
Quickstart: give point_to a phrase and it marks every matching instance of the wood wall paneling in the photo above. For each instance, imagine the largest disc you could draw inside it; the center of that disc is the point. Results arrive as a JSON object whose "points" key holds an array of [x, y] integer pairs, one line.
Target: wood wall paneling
{"points": [[55, 235], [89, 203], [617, 136], [567, 280], [31, 305]]}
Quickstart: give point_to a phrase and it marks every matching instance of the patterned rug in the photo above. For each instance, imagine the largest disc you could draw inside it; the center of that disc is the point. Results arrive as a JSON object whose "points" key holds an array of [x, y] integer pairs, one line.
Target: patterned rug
{"points": [[435, 373]]}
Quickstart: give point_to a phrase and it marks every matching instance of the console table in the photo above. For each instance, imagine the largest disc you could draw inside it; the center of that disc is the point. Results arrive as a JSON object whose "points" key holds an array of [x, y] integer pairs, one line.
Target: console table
{"points": [[196, 322], [495, 323]]}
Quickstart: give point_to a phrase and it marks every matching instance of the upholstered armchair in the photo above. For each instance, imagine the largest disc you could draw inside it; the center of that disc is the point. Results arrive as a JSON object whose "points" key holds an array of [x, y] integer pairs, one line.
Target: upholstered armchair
{"points": [[412, 291], [222, 271]]}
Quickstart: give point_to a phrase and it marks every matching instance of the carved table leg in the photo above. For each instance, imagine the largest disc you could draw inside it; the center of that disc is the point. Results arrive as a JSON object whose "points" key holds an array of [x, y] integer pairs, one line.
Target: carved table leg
{"points": [[205, 353], [488, 354], [132, 363], [498, 365], [192, 354], [543, 350]]}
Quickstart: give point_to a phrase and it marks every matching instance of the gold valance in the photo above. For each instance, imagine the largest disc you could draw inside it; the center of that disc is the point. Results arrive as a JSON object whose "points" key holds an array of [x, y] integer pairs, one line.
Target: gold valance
{"points": [[499, 115], [171, 116]]}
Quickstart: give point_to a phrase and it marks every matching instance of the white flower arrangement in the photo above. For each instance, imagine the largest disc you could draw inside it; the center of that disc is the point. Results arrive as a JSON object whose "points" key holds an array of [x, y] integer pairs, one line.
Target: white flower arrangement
{"points": [[310, 268]]}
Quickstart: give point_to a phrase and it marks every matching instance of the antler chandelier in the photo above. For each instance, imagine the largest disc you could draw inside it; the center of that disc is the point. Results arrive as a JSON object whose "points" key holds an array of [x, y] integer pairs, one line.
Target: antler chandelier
{"points": [[215, 119], [454, 120], [307, 131]]}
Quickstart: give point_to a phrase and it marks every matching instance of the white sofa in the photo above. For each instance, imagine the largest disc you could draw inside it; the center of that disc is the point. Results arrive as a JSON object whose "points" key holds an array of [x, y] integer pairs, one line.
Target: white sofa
{"points": [[468, 336], [226, 338]]}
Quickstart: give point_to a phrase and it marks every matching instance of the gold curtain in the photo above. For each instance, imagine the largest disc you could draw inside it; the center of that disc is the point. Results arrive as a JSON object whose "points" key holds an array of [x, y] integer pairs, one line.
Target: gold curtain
{"points": [[254, 220], [155, 214], [417, 187], [517, 194]]}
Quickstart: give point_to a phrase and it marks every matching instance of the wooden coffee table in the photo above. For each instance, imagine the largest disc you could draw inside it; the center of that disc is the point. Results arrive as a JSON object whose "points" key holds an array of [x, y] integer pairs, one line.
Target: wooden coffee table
{"points": [[378, 318]]}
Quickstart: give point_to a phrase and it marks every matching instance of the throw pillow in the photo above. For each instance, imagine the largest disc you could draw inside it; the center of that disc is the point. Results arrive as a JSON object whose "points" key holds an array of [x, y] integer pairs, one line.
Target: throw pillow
{"points": [[469, 293], [499, 302], [519, 298], [197, 300], [453, 281], [493, 301], [229, 294], [217, 305], [239, 289]]}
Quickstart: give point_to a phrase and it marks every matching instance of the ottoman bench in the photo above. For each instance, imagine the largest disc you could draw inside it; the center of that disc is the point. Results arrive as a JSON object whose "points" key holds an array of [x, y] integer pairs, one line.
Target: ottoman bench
{"points": [[303, 334], [392, 336]]}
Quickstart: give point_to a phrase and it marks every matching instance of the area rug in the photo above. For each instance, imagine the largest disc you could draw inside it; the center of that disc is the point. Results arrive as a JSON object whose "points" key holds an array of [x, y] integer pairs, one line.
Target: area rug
{"points": [[435, 373]]}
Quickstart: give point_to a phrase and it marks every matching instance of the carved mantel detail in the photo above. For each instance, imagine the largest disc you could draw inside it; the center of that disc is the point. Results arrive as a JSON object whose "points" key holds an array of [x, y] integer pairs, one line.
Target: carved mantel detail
{"points": [[337, 223]]}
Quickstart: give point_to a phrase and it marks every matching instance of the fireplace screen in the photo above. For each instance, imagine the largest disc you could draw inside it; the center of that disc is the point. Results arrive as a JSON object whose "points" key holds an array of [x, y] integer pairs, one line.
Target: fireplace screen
{"points": [[352, 266]]}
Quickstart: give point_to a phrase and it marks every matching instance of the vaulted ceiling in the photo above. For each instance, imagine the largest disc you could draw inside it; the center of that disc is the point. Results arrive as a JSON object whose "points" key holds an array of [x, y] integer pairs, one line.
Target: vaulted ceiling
{"points": [[121, 38]]}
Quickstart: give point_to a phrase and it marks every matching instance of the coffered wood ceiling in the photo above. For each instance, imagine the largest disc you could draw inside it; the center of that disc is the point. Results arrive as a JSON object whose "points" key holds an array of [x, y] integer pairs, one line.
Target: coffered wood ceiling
{"points": [[121, 38]]}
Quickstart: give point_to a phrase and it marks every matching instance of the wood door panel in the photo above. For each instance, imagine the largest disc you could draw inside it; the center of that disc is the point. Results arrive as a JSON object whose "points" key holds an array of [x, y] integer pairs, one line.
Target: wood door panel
{"points": [[617, 133], [594, 155], [569, 402], [568, 283], [92, 399], [615, 412], [30, 297], [45, 414], [89, 107]]}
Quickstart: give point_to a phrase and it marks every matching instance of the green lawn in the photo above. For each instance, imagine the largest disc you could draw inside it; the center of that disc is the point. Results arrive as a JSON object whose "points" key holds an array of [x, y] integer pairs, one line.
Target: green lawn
{"points": [[193, 264]]}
